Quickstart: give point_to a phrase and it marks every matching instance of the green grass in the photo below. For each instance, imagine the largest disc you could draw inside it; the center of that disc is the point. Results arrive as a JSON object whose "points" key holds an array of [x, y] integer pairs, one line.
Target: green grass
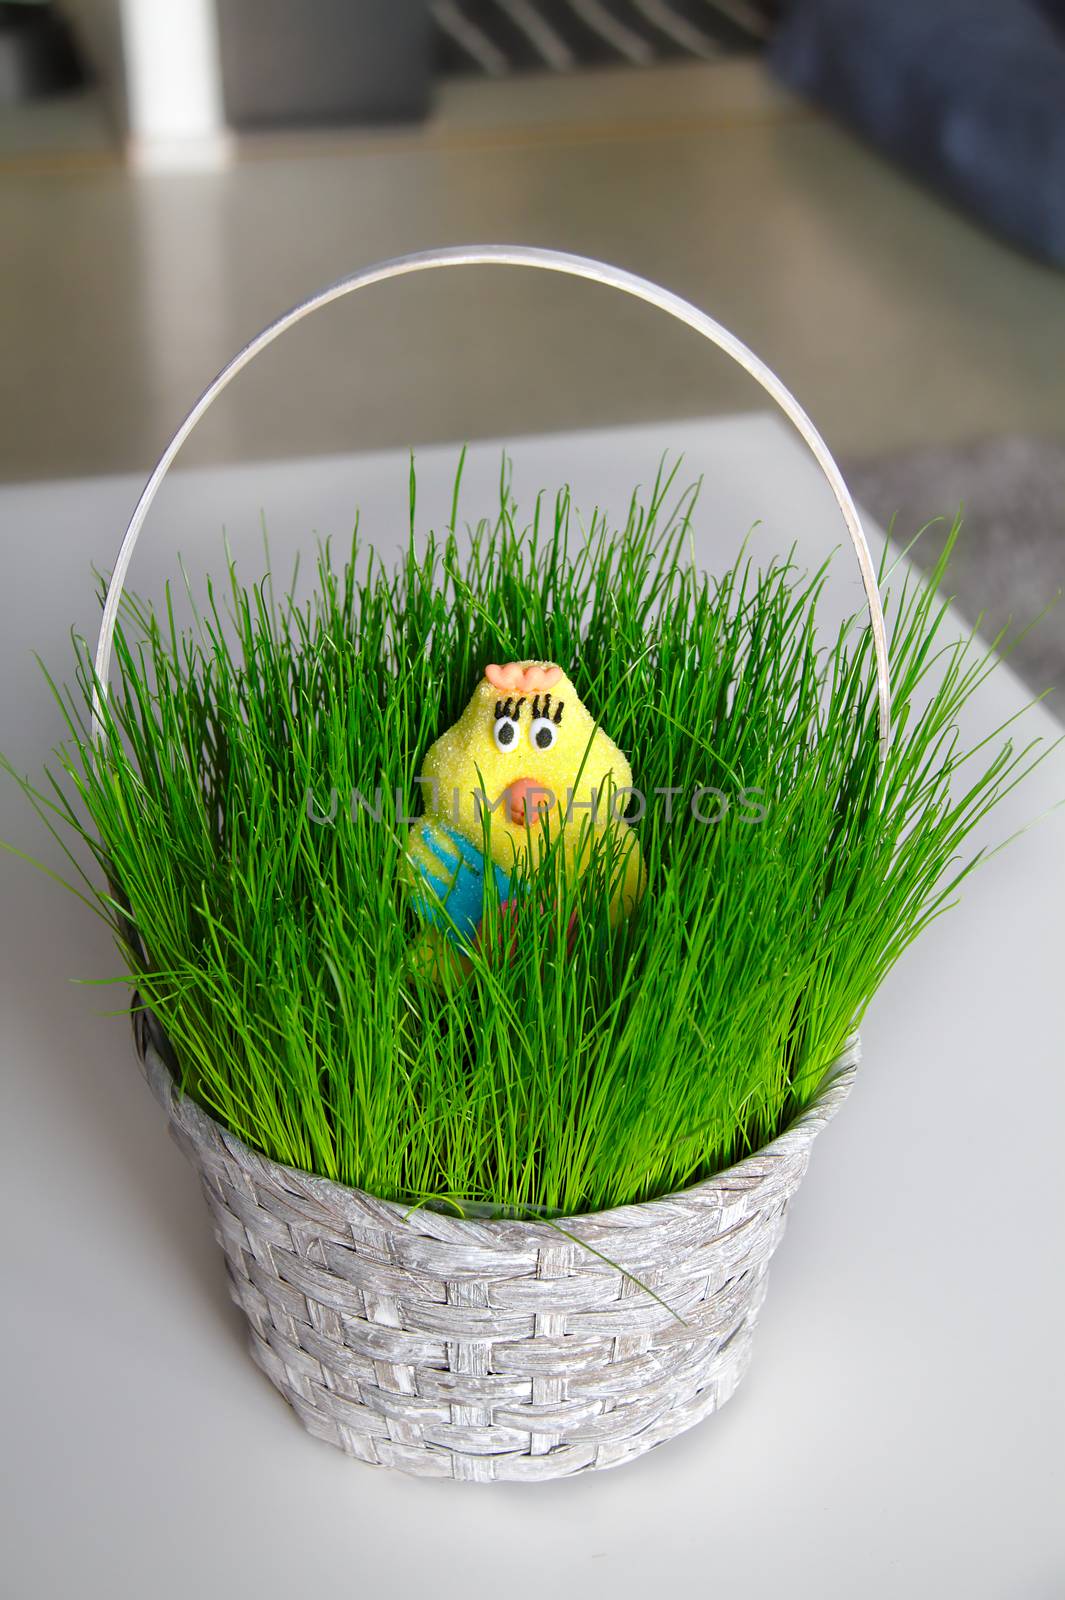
{"points": [[276, 951]]}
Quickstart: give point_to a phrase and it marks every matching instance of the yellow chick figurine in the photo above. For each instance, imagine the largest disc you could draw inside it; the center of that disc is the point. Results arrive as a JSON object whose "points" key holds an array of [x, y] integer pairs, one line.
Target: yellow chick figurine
{"points": [[529, 757]]}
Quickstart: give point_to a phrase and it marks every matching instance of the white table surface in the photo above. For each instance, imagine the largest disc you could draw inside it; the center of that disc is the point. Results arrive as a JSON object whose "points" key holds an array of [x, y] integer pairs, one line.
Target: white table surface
{"points": [[900, 1430]]}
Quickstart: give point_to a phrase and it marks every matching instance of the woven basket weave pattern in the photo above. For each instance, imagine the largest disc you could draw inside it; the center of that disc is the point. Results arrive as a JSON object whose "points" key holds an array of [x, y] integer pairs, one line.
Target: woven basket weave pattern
{"points": [[486, 1350]]}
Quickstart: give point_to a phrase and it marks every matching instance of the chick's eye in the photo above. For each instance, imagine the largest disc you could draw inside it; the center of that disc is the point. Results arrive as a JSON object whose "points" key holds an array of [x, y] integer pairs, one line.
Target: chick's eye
{"points": [[505, 733], [542, 733]]}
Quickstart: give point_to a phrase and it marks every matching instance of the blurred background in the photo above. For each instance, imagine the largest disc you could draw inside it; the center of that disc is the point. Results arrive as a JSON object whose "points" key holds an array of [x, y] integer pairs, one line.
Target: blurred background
{"points": [[871, 195]]}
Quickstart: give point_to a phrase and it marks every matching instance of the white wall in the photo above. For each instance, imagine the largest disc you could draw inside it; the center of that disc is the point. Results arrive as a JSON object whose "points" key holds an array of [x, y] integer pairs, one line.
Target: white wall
{"points": [[159, 67]]}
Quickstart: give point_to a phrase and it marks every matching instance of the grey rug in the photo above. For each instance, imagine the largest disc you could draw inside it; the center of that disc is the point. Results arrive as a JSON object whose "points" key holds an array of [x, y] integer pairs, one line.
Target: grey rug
{"points": [[1010, 559]]}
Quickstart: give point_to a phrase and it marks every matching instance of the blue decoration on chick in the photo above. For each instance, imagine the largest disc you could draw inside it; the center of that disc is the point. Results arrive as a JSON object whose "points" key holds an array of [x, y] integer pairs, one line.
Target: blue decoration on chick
{"points": [[453, 868]]}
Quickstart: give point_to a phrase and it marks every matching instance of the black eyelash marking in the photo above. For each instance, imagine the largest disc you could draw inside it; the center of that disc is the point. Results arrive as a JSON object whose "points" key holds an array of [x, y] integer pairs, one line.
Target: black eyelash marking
{"points": [[544, 709], [508, 708], [558, 711]]}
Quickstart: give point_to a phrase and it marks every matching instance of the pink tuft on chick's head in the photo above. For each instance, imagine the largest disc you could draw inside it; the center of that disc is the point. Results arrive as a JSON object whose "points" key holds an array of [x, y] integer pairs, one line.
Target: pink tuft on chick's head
{"points": [[522, 677]]}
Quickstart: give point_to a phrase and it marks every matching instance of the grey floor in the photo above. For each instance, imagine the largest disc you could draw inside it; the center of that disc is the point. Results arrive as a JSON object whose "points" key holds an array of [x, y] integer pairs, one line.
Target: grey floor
{"points": [[898, 321], [910, 334]]}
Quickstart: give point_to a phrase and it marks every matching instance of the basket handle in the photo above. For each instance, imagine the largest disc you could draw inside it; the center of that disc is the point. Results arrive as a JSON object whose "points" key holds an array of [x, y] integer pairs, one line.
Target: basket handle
{"points": [[549, 261]]}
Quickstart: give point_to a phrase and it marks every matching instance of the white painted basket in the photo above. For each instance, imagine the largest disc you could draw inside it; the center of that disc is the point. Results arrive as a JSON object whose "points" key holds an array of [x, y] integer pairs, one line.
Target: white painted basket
{"points": [[484, 1349], [489, 1350]]}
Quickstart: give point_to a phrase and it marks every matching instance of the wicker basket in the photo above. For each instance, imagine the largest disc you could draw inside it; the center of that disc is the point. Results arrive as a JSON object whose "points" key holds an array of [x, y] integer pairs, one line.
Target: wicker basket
{"points": [[487, 1350], [483, 1349]]}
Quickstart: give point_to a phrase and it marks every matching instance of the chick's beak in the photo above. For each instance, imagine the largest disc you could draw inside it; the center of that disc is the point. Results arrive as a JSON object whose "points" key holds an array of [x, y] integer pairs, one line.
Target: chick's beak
{"points": [[526, 799]]}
